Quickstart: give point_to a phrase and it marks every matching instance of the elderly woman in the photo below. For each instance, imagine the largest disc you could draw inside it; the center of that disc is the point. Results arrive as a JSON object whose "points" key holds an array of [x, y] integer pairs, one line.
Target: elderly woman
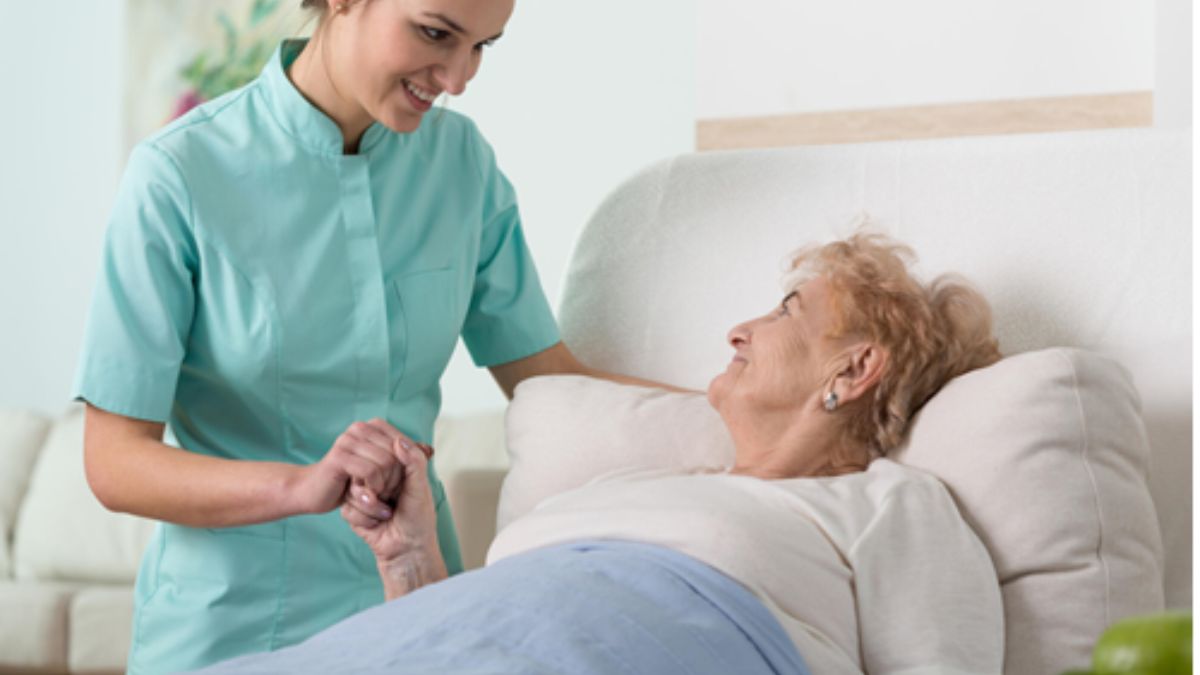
{"points": [[812, 553]]}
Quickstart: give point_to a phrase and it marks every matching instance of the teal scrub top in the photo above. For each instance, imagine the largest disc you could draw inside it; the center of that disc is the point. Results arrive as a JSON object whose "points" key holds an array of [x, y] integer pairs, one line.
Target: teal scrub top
{"points": [[260, 291]]}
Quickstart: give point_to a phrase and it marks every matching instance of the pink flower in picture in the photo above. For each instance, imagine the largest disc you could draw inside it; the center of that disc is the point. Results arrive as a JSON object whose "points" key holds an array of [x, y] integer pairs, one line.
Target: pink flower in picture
{"points": [[188, 100]]}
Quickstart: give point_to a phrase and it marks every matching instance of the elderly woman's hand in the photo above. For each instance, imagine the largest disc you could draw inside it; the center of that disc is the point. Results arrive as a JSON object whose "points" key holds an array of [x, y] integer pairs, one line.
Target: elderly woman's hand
{"points": [[406, 544]]}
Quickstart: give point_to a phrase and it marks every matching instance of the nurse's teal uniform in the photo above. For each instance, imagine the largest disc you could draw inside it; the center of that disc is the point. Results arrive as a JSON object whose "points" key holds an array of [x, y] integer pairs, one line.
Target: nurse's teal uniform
{"points": [[260, 291]]}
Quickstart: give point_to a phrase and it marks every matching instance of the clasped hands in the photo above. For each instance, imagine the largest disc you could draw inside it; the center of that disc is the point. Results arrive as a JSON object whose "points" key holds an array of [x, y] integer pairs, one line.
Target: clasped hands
{"points": [[379, 478]]}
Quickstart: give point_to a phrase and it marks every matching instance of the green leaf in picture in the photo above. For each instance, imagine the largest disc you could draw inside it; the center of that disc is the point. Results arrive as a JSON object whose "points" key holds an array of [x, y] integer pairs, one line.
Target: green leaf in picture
{"points": [[236, 77], [211, 84], [193, 70], [231, 34], [261, 10], [217, 70], [255, 57]]}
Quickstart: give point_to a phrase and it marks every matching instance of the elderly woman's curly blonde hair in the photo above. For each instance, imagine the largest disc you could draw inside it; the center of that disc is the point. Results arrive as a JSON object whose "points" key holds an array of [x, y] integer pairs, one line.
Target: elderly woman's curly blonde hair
{"points": [[931, 332]]}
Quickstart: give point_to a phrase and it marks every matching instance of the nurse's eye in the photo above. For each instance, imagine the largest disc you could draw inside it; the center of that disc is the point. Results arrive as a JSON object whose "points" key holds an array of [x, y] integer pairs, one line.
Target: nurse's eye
{"points": [[486, 43], [433, 34]]}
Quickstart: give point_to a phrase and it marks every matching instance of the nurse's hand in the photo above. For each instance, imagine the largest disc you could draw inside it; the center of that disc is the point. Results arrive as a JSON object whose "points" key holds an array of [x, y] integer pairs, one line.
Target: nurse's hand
{"points": [[406, 544], [412, 526], [361, 456]]}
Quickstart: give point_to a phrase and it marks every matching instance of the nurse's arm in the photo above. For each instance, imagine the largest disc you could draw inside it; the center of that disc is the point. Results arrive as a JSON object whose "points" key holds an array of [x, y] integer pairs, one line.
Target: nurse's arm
{"points": [[131, 470], [558, 360]]}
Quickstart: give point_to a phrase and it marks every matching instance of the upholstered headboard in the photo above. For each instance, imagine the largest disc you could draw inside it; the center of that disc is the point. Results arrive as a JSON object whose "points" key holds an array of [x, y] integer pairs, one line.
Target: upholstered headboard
{"points": [[1079, 239]]}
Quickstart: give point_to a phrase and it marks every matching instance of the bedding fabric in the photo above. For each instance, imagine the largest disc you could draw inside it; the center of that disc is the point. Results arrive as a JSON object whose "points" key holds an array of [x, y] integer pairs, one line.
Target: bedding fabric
{"points": [[1045, 454], [871, 572], [600, 607]]}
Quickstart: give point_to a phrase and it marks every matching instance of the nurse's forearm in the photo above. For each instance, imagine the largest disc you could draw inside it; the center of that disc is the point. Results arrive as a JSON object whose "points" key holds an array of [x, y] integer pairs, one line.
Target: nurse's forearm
{"points": [[558, 360], [626, 379], [154, 480], [131, 471]]}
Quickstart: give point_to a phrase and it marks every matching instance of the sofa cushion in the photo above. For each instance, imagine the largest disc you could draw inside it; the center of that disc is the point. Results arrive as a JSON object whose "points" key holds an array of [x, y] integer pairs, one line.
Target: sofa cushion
{"points": [[100, 622], [21, 435], [63, 533], [33, 626], [473, 441]]}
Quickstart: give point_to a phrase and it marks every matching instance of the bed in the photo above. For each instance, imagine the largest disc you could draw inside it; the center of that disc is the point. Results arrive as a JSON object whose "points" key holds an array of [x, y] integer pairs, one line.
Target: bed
{"points": [[1070, 459]]}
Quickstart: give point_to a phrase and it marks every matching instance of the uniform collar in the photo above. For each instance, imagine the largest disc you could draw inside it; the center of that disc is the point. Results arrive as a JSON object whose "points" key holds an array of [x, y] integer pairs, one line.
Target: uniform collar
{"points": [[303, 121]]}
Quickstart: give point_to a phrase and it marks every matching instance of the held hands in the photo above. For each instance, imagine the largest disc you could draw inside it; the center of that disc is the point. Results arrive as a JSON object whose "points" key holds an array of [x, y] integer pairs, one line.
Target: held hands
{"points": [[379, 477], [411, 528], [405, 544], [363, 455]]}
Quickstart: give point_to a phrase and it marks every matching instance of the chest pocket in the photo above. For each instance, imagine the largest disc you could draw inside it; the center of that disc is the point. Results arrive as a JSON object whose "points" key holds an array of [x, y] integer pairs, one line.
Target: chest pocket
{"points": [[425, 327]]}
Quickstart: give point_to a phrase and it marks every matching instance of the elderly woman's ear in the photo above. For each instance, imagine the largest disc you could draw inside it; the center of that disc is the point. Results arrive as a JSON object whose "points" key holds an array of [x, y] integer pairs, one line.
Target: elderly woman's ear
{"points": [[857, 371]]}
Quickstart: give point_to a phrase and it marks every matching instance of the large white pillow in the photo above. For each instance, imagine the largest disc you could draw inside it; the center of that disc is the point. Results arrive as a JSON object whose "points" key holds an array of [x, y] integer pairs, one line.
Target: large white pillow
{"points": [[1045, 453], [21, 436], [62, 532]]}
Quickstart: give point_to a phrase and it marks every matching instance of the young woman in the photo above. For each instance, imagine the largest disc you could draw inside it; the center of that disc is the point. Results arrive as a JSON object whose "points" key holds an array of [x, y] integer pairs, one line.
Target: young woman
{"points": [[286, 272]]}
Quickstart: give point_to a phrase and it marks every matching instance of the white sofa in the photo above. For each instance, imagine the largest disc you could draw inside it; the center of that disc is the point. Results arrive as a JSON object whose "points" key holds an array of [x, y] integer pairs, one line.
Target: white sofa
{"points": [[1079, 239], [67, 565]]}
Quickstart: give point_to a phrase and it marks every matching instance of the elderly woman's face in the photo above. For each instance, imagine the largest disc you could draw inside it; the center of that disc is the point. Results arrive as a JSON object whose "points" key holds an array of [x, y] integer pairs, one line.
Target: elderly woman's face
{"points": [[783, 358]]}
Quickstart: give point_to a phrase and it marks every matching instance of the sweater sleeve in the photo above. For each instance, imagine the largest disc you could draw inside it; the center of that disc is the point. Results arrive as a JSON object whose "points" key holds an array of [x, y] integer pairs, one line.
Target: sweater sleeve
{"points": [[927, 594]]}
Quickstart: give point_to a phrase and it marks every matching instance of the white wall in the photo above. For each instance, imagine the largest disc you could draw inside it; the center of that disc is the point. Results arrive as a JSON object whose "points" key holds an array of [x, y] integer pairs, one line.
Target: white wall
{"points": [[576, 97], [1173, 63], [60, 130], [767, 57]]}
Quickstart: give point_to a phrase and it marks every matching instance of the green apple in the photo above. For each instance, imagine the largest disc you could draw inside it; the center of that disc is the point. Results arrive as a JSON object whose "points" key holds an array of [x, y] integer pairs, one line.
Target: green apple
{"points": [[1152, 644]]}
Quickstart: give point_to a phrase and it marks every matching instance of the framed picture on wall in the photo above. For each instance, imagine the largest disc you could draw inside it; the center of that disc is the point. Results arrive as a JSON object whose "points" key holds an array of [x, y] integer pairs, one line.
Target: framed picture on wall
{"points": [[180, 54]]}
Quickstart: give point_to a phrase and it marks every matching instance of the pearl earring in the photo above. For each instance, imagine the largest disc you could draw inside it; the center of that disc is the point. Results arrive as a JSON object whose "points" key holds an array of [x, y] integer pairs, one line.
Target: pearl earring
{"points": [[831, 401]]}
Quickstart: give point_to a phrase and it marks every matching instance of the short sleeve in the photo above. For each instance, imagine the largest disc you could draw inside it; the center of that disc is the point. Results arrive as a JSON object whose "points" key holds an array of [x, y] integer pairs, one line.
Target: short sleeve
{"points": [[142, 306], [928, 595], [509, 317]]}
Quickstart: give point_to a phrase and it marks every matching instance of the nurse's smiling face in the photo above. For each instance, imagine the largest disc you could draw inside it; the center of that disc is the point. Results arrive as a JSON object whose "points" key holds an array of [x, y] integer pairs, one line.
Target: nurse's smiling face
{"points": [[387, 60], [405, 53]]}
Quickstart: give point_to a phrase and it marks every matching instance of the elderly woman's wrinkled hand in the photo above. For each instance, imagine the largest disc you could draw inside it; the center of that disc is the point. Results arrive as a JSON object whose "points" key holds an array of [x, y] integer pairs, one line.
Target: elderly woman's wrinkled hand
{"points": [[407, 553], [411, 524]]}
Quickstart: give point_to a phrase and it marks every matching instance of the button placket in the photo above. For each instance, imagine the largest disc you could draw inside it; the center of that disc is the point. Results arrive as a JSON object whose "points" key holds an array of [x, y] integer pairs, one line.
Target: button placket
{"points": [[370, 324]]}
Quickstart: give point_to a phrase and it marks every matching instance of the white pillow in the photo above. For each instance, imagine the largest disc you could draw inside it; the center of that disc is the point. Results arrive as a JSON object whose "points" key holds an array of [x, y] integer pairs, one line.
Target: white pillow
{"points": [[564, 430], [1045, 453]]}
